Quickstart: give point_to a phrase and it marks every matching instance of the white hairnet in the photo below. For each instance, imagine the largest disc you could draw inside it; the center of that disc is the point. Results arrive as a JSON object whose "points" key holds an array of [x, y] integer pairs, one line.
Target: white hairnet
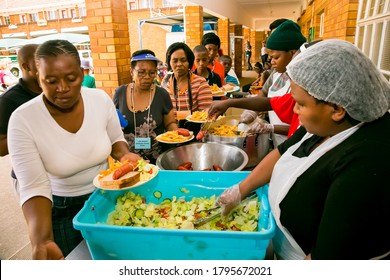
{"points": [[336, 71]]}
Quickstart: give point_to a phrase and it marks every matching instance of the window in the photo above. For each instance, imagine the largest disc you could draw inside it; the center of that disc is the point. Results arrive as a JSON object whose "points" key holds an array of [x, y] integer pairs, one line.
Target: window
{"points": [[51, 15], [73, 13], [64, 14], [34, 17], [363, 9], [381, 5], [146, 4], [373, 33], [372, 8], [322, 19], [7, 20], [384, 62], [23, 18], [167, 3], [83, 12], [132, 5]]}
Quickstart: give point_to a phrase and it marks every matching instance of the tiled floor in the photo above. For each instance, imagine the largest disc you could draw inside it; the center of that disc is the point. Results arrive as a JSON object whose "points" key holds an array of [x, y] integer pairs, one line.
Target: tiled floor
{"points": [[14, 241]]}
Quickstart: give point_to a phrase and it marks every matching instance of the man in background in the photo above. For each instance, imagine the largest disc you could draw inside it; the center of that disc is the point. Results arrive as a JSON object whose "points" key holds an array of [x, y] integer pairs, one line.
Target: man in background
{"points": [[26, 89]]}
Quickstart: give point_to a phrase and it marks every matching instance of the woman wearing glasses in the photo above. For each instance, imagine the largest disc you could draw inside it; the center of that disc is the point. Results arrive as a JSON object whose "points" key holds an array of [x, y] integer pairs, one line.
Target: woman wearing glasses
{"points": [[189, 92], [146, 107]]}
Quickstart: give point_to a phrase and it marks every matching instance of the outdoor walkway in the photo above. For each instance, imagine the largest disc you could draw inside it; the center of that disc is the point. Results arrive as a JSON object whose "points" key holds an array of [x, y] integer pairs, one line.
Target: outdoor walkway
{"points": [[14, 241]]}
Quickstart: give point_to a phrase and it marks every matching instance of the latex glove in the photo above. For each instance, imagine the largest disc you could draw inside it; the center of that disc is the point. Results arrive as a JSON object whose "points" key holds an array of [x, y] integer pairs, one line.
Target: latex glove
{"points": [[229, 199], [248, 116], [261, 128]]}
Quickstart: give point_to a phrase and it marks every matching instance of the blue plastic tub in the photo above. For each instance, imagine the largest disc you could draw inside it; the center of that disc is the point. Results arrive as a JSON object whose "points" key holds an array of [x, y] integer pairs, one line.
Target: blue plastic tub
{"points": [[121, 242]]}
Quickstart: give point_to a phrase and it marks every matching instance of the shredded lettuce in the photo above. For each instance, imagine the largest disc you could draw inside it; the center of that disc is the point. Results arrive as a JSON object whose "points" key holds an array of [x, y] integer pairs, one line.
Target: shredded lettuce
{"points": [[180, 214]]}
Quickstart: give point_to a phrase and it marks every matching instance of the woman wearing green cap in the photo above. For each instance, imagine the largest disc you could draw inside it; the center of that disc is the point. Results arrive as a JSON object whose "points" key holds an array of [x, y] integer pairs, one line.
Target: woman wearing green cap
{"points": [[282, 45], [327, 182]]}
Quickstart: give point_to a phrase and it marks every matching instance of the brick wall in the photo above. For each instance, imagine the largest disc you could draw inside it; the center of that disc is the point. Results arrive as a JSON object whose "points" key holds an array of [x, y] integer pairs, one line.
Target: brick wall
{"points": [[258, 37], [223, 33], [193, 25], [339, 19], [109, 38]]}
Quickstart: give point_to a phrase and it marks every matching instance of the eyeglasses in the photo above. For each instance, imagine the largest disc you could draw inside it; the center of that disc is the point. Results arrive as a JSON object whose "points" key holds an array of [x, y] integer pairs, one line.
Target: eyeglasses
{"points": [[143, 73]]}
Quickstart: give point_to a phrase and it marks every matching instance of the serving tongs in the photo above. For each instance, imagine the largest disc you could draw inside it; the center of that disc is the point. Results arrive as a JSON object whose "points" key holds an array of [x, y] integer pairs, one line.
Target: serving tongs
{"points": [[206, 125], [203, 129], [205, 220]]}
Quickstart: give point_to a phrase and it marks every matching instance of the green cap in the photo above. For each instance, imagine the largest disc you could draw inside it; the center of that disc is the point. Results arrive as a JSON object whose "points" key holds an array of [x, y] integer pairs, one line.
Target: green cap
{"points": [[286, 37]]}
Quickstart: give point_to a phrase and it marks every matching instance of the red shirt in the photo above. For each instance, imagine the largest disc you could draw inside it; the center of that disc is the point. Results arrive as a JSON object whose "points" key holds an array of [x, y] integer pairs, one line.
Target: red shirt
{"points": [[283, 106]]}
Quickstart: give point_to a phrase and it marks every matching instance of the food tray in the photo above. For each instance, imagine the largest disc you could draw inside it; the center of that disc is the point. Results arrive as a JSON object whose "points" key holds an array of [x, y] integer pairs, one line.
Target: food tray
{"points": [[107, 242]]}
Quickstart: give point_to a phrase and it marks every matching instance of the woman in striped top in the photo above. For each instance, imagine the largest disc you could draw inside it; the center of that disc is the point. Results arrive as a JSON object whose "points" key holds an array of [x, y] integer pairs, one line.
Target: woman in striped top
{"points": [[189, 92]]}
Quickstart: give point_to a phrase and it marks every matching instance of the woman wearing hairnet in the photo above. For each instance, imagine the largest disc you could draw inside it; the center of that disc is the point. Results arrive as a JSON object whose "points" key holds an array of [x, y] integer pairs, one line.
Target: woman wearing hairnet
{"points": [[327, 185]]}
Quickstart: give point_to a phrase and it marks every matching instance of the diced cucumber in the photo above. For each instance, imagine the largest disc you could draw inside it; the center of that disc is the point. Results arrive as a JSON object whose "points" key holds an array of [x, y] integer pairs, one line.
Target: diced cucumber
{"points": [[157, 194], [166, 200], [184, 190], [139, 213]]}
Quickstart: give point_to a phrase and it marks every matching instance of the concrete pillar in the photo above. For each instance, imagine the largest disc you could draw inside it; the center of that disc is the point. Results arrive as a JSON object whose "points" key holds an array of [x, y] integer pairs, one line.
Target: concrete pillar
{"points": [[110, 42], [224, 35], [238, 50], [193, 25]]}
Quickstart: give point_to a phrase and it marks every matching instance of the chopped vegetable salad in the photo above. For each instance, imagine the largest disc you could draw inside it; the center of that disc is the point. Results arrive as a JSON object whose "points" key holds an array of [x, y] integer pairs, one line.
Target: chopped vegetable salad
{"points": [[132, 210]]}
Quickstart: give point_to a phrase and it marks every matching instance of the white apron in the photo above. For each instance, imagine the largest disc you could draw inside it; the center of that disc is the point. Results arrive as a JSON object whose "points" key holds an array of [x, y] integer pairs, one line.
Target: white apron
{"points": [[286, 171], [273, 117]]}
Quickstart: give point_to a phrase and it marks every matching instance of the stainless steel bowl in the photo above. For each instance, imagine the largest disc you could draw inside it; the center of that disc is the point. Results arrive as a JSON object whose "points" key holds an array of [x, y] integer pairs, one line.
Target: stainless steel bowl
{"points": [[204, 155], [256, 146]]}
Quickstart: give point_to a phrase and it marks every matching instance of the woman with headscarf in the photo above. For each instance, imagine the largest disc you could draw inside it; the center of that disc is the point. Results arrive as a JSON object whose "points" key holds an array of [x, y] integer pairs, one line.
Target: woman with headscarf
{"points": [[146, 107], [189, 92], [326, 182]]}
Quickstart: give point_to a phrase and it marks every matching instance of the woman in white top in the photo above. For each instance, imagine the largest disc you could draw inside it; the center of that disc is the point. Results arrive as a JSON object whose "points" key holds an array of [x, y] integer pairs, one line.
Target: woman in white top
{"points": [[58, 143]]}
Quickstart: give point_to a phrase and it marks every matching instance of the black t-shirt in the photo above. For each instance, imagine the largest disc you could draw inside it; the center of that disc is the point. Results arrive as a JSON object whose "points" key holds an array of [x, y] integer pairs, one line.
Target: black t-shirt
{"points": [[213, 78], [11, 100], [339, 207]]}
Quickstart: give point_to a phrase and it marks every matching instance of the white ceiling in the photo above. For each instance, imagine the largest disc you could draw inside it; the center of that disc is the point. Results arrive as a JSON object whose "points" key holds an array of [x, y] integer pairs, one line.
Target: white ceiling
{"points": [[255, 14], [263, 12], [270, 8]]}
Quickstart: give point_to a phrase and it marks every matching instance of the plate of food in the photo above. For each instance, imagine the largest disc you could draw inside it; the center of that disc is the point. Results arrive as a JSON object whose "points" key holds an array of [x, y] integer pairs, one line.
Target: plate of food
{"points": [[181, 135], [216, 91], [198, 117], [125, 175], [230, 88]]}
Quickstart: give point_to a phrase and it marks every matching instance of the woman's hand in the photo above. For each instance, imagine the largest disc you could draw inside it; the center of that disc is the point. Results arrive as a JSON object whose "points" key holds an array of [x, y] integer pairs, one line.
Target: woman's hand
{"points": [[47, 251], [229, 199], [248, 116], [120, 151], [261, 128], [131, 157], [38, 214]]}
